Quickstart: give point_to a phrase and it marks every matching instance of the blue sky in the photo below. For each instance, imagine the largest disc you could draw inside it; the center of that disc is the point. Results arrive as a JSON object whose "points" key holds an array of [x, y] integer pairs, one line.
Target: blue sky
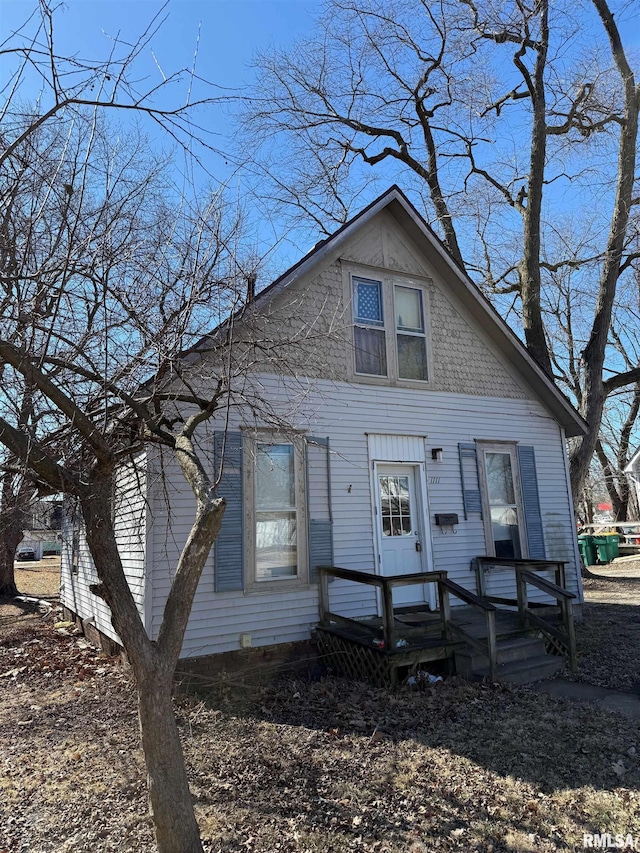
{"points": [[229, 29], [226, 34]]}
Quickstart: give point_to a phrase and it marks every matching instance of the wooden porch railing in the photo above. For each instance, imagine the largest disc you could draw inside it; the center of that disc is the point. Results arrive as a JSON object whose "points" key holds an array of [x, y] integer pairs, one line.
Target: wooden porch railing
{"points": [[564, 640], [446, 588], [484, 563], [530, 617], [488, 647], [384, 584]]}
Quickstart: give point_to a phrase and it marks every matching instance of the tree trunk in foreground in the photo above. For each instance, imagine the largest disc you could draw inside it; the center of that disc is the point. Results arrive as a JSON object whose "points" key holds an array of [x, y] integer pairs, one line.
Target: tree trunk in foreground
{"points": [[169, 796], [154, 663], [10, 537]]}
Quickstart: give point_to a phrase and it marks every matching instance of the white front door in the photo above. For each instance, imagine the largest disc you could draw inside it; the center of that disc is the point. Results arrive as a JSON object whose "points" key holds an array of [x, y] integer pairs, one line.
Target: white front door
{"points": [[400, 528]]}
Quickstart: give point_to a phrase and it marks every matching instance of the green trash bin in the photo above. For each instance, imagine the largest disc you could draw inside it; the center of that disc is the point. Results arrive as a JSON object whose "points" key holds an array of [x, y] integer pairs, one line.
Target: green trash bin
{"points": [[613, 543], [603, 547], [587, 550]]}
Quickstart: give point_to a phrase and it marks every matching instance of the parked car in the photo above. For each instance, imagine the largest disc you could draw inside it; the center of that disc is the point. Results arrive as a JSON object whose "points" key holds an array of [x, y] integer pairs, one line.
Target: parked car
{"points": [[25, 554], [628, 531]]}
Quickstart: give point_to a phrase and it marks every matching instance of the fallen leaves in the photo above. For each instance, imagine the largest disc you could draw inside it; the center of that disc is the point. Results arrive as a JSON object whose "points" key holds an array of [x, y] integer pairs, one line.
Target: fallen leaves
{"points": [[306, 767]]}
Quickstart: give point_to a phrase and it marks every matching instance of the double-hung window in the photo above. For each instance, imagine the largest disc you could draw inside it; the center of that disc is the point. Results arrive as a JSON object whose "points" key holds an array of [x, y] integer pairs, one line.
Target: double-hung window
{"points": [[277, 536], [503, 511], [390, 337], [411, 338], [369, 332]]}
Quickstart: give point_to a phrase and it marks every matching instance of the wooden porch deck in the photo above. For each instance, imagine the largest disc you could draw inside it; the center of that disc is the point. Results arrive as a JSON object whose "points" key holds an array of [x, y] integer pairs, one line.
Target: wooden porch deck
{"points": [[376, 648]]}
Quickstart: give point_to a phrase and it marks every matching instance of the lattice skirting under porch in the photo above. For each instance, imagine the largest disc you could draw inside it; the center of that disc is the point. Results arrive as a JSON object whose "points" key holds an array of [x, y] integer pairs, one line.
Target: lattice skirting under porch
{"points": [[356, 661]]}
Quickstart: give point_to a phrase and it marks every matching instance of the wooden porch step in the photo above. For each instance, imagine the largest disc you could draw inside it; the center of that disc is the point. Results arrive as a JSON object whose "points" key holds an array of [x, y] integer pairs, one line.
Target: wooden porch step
{"points": [[510, 649], [521, 660], [525, 671]]}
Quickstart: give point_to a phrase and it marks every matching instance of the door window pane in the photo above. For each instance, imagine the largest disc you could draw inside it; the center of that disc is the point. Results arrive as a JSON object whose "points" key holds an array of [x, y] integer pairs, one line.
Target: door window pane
{"points": [[395, 506], [499, 478], [506, 534]]}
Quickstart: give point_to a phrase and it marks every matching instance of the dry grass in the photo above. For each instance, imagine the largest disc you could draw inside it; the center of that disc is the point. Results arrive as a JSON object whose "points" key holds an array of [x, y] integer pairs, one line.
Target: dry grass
{"points": [[324, 766], [306, 766], [609, 638], [40, 579]]}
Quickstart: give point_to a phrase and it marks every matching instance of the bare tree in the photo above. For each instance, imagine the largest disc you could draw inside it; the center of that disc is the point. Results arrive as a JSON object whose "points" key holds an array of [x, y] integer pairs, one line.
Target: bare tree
{"points": [[614, 450], [107, 273], [69, 89], [491, 113], [132, 277]]}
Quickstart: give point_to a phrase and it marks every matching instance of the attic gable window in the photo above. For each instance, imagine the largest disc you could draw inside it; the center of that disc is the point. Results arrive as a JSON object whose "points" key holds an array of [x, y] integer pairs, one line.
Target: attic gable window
{"points": [[410, 333], [369, 332], [391, 337]]}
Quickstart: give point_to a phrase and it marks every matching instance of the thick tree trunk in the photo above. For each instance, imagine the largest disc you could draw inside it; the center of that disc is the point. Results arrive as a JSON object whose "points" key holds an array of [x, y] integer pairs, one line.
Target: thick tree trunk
{"points": [[594, 353], [154, 663], [10, 537], [529, 266], [169, 797]]}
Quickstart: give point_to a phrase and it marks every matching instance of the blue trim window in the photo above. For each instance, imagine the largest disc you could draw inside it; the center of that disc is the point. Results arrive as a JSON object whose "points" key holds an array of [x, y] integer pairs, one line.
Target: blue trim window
{"points": [[368, 331]]}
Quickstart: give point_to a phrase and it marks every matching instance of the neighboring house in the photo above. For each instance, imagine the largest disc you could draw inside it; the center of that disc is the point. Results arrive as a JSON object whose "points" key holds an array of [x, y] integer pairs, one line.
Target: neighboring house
{"points": [[633, 473], [43, 543], [424, 435]]}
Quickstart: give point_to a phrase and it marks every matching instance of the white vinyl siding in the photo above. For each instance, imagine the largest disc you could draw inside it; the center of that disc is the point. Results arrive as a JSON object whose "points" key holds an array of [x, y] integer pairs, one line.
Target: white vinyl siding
{"points": [[346, 413], [130, 523]]}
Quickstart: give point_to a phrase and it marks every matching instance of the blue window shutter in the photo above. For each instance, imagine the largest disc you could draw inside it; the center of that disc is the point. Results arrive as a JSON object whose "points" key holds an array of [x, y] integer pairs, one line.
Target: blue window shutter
{"points": [[531, 502], [229, 546], [469, 476], [318, 482]]}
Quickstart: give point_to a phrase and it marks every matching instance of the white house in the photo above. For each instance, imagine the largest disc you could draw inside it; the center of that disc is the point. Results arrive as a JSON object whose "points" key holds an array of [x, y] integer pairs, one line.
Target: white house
{"points": [[422, 437]]}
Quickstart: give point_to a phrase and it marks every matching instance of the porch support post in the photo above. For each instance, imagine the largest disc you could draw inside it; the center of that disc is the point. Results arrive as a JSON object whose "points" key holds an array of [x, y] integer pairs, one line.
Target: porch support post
{"points": [[323, 588], [567, 614], [388, 625], [492, 643], [521, 591], [445, 611]]}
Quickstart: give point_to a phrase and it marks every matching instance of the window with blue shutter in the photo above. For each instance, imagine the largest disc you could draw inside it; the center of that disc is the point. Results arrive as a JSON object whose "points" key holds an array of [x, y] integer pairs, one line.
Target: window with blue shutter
{"points": [[318, 483], [531, 502], [471, 496], [229, 546]]}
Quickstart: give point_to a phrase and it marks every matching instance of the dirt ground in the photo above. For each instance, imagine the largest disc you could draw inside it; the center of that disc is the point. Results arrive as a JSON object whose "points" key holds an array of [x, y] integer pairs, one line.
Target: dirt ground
{"points": [[308, 766], [609, 637], [34, 579]]}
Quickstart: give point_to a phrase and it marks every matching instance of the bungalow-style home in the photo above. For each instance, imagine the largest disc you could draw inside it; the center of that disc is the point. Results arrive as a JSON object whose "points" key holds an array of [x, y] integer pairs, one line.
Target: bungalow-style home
{"points": [[416, 507]]}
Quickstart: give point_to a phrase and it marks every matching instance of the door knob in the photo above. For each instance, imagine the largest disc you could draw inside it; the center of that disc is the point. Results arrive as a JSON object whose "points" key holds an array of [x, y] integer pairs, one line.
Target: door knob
{"points": [[418, 546]]}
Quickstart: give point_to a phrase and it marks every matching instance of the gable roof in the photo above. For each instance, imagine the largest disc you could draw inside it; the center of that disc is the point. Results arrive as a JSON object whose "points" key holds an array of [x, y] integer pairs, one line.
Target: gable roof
{"points": [[511, 347], [633, 462]]}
